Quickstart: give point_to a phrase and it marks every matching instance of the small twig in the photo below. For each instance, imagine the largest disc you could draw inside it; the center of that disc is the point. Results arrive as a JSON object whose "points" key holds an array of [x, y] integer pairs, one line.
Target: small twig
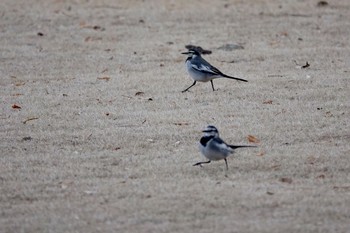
{"points": [[30, 119]]}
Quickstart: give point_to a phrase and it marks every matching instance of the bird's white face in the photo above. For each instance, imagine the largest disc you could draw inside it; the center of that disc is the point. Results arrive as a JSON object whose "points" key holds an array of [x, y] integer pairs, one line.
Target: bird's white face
{"points": [[210, 131]]}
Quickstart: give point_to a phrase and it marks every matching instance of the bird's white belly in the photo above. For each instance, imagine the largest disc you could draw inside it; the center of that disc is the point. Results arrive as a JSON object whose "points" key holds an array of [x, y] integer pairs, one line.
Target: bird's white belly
{"points": [[212, 154]]}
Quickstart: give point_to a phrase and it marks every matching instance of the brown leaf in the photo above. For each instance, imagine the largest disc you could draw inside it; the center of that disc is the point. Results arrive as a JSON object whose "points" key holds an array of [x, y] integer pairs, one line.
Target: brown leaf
{"points": [[253, 139], [261, 153], [104, 78], [15, 106], [267, 102], [19, 84], [322, 3], [286, 180]]}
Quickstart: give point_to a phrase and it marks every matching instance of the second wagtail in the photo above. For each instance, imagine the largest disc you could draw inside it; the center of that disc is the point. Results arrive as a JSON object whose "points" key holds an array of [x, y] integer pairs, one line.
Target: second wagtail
{"points": [[213, 147], [200, 70]]}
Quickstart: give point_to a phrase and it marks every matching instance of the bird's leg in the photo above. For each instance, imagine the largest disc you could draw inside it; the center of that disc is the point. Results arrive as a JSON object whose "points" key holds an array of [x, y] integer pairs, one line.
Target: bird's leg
{"points": [[212, 84], [194, 83], [200, 163], [226, 164]]}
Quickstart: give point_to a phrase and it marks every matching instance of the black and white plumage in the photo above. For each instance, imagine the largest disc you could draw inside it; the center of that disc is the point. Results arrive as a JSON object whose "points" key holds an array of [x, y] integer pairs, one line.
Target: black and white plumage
{"points": [[200, 70], [213, 147]]}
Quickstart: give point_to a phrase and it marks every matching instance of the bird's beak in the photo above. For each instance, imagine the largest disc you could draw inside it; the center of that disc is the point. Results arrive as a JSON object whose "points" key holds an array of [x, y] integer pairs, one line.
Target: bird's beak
{"points": [[185, 53]]}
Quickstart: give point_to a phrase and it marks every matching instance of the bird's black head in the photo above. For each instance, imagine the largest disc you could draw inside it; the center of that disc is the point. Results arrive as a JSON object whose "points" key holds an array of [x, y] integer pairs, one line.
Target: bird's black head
{"points": [[211, 130]]}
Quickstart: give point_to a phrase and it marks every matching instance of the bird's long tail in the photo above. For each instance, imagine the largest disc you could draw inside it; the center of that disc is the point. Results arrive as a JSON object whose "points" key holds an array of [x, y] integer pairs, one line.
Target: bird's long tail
{"points": [[239, 79], [235, 147]]}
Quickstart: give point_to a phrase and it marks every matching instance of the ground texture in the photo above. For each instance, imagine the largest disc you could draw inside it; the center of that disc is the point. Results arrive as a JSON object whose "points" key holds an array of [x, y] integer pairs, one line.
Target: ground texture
{"points": [[96, 136]]}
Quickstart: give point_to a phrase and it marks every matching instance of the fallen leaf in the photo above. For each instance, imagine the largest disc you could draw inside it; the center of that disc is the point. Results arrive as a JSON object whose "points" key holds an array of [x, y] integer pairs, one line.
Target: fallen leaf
{"points": [[286, 180], [267, 102], [322, 176], [253, 139], [262, 153], [139, 93], [27, 138], [96, 27], [19, 84], [275, 167], [104, 78], [284, 33], [322, 3], [15, 106]]}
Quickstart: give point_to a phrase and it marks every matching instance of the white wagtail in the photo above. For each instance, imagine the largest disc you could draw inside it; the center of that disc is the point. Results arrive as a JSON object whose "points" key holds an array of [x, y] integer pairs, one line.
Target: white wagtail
{"points": [[200, 70], [213, 147]]}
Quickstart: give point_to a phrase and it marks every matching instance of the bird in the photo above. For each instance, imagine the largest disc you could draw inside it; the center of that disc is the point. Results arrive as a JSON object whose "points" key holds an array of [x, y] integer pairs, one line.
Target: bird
{"points": [[214, 148], [200, 70]]}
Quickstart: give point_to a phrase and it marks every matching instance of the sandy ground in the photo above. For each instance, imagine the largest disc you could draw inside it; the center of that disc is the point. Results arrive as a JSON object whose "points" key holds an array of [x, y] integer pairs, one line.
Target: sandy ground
{"points": [[96, 135]]}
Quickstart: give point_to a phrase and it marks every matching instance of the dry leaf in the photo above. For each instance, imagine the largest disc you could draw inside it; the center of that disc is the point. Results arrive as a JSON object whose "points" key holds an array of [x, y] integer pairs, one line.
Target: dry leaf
{"points": [[28, 138], [261, 153], [253, 139], [275, 167], [104, 78], [15, 106], [267, 102], [286, 180], [19, 84], [322, 3]]}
